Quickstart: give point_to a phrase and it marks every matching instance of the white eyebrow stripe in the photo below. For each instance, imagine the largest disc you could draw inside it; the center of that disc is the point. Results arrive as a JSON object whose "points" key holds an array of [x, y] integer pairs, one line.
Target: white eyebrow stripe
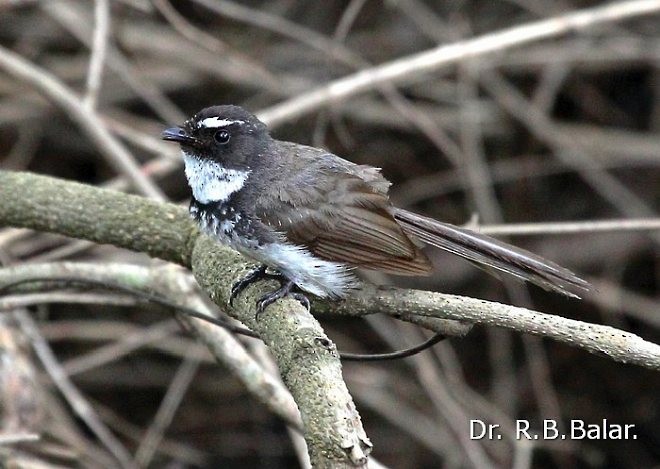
{"points": [[215, 122]]}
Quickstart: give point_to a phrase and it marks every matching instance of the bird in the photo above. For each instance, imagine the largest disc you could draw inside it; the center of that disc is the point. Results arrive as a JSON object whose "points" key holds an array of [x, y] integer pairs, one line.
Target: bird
{"points": [[309, 218]]}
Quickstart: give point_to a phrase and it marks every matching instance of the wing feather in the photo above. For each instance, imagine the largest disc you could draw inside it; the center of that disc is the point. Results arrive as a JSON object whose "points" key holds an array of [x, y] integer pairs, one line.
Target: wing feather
{"points": [[344, 219]]}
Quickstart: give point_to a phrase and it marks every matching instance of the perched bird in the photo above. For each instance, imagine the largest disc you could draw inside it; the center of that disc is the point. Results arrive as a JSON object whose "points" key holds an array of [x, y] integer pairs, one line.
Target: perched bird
{"points": [[313, 217]]}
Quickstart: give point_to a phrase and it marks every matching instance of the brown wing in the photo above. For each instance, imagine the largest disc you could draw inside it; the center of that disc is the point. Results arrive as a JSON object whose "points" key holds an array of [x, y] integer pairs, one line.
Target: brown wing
{"points": [[341, 218]]}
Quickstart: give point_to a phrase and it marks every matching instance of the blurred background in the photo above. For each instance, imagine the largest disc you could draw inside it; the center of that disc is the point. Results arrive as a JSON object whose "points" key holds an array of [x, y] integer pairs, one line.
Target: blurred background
{"points": [[560, 130]]}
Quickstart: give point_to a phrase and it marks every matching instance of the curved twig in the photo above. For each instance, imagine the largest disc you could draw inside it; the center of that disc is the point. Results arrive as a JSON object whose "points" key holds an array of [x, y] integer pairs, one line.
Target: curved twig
{"points": [[433, 59]]}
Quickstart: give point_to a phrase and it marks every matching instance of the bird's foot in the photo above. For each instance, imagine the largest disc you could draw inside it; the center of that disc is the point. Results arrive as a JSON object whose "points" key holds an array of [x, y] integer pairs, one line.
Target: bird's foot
{"points": [[286, 289], [260, 273], [256, 274]]}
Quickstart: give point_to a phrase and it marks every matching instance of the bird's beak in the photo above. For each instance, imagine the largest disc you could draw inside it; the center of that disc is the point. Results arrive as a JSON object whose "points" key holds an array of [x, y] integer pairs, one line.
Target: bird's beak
{"points": [[177, 134]]}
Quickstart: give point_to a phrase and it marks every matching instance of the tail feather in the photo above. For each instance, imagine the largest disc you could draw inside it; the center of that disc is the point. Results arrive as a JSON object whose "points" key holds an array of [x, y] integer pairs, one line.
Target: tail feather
{"points": [[491, 253]]}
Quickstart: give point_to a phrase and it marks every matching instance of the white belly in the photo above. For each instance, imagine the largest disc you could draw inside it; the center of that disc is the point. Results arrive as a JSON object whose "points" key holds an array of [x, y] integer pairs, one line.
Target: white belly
{"points": [[312, 274]]}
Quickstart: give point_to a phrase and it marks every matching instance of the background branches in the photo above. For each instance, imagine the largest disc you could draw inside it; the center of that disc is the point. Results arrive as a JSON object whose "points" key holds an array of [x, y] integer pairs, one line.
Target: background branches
{"points": [[533, 119]]}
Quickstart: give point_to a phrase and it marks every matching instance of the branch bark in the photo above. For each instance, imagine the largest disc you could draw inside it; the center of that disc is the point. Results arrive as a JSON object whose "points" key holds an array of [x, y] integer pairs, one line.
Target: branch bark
{"points": [[168, 282], [165, 231], [307, 359]]}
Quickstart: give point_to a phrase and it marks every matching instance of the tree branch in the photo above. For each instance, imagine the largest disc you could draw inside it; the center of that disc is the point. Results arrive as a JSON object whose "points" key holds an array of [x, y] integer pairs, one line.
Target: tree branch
{"points": [[88, 121], [307, 359], [165, 231], [619, 345], [169, 283], [423, 62]]}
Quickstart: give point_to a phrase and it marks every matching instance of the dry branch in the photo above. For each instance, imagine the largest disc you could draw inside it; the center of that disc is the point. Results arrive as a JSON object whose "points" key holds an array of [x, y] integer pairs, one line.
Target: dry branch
{"points": [[595, 89], [307, 359], [165, 231], [86, 118], [431, 60]]}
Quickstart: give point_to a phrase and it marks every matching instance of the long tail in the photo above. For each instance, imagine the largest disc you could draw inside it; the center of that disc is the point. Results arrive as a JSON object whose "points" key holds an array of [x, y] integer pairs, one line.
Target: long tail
{"points": [[489, 252]]}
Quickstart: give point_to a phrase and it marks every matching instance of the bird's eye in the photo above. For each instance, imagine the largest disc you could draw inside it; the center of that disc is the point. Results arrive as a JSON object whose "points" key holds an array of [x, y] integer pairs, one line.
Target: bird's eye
{"points": [[221, 136]]}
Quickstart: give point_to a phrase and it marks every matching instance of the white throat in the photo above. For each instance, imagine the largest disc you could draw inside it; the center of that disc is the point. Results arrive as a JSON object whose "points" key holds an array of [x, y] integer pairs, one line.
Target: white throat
{"points": [[210, 181]]}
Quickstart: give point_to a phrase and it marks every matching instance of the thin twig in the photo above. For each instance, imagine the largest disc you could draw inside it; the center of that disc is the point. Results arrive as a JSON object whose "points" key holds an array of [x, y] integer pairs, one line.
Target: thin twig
{"points": [[120, 348], [14, 438], [76, 19], [602, 340], [74, 397], [279, 25], [595, 226], [212, 43], [171, 282], [98, 52], [168, 407], [87, 119], [30, 299], [171, 447], [424, 62]]}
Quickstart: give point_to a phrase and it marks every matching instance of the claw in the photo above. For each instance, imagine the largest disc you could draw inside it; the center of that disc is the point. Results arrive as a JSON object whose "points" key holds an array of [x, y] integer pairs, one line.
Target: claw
{"points": [[302, 299], [270, 298], [256, 274], [284, 291], [259, 273]]}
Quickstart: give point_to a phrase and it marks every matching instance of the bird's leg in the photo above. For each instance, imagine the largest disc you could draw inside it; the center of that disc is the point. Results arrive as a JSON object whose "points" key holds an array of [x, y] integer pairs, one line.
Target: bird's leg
{"points": [[259, 273], [286, 289], [256, 274]]}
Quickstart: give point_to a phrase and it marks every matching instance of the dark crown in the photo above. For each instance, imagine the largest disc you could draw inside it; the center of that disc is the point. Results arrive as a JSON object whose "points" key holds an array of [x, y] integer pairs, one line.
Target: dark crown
{"points": [[227, 113]]}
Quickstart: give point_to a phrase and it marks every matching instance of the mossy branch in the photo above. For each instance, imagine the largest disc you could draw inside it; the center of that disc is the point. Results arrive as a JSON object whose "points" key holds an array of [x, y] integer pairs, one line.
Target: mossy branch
{"points": [[165, 231], [307, 359]]}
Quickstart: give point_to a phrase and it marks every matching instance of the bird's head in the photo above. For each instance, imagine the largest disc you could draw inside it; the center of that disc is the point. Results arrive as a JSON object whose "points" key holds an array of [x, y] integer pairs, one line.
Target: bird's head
{"points": [[226, 135]]}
